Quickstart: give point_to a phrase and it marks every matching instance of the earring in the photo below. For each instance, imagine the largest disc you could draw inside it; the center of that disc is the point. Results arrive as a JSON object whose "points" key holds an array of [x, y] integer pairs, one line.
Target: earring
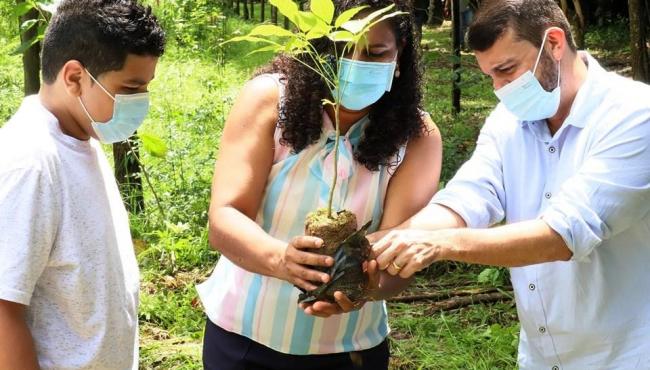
{"points": [[397, 73]]}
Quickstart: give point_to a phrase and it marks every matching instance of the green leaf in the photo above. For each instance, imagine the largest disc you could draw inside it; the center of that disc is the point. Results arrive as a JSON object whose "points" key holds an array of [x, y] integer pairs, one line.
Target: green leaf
{"points": [[356, 26], [25, 45], [487, 275], [270, 30], [338, 36], [248, 39], [153, 144], [273, 48], [287, 8], [295, 45], [28, 24], [320, 30], [40, 31], [347, 15], [323, 9], [21, 9], [387, 16], [47, 6], [306, 21]]}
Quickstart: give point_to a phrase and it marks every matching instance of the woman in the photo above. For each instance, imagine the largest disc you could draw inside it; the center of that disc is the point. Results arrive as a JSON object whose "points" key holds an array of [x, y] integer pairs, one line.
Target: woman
{"points": [[274, 167]]}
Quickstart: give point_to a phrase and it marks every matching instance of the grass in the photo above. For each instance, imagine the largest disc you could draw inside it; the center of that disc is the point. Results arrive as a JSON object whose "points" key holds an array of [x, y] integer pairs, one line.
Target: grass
{"points": [[195, 86]]}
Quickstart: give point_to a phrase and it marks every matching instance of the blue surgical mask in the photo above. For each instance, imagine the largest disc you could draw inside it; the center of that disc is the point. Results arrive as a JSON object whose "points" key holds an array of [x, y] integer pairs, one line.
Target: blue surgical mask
{"points": [[526, 98], [363, 83], [128, 113]]}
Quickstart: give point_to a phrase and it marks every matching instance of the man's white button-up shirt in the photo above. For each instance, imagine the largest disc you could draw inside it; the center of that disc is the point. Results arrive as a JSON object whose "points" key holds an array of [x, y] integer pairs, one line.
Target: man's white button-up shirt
{"points": [[590, 182]]}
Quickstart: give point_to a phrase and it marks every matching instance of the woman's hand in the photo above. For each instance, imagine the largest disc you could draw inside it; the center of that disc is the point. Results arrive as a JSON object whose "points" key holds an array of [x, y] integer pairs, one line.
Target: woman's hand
{"points": [[343, 303], [293, 264], [405, 252]]}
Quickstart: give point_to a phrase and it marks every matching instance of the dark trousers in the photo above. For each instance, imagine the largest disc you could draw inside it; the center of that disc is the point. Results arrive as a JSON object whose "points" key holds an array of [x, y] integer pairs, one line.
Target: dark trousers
{"points": [[223, 350]]}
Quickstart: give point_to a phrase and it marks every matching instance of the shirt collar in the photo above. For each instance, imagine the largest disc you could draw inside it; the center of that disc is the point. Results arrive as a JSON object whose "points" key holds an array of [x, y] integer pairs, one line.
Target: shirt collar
{"points": [[581, 103]]}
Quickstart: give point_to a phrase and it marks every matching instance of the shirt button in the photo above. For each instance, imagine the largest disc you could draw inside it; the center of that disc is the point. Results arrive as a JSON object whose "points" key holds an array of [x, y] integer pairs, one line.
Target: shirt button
{"points": [[542, 329], [531, 286], [551, 149], [555, 367], [548, 195]]}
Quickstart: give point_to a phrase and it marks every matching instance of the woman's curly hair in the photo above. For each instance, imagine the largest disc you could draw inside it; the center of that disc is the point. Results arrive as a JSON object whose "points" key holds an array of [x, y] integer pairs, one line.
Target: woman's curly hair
{"points": [[394, 118]]}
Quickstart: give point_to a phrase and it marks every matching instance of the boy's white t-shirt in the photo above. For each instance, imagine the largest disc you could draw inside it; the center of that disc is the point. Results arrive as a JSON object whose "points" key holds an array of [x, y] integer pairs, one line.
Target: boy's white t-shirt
{"points": [[65, 245]]}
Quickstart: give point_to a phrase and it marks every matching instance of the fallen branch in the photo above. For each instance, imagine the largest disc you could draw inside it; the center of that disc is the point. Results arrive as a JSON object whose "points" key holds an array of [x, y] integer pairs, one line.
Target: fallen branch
{"points": [[436, 296], [458, 302]]}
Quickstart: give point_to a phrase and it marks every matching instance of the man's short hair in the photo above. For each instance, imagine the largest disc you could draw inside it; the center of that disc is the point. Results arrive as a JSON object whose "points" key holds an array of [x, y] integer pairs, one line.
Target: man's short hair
{"points": [[527, 18], [99, 34]]}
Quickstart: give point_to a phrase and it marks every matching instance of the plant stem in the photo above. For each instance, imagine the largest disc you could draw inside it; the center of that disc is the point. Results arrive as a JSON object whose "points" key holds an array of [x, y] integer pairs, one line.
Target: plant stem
{"points": [[337, 100], [336, 159]]}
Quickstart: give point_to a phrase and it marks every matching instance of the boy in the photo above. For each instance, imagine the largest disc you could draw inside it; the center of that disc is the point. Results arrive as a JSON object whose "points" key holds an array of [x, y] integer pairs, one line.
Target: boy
{"points": [[69, 278]]}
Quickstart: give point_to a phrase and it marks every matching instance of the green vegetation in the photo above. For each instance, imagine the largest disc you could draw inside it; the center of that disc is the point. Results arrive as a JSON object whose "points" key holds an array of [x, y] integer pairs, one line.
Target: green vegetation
{"points": [[194, 88]]}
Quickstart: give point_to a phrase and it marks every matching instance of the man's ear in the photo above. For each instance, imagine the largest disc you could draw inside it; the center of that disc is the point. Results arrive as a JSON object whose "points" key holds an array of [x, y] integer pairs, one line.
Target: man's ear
{"points": [[73, 74], [557, 42]]}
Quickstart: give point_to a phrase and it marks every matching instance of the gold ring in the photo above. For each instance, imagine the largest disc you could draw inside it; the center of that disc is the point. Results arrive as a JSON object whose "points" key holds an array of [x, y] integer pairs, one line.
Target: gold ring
{"points": [[396, 266]]}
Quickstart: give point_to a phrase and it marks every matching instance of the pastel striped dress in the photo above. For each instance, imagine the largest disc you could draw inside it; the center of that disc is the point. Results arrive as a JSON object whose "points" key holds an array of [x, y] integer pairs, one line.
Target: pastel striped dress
{"points": [[265, 309]]}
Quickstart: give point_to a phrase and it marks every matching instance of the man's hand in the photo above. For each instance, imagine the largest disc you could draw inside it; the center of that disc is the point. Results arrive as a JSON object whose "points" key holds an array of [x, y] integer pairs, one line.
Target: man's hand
{"points": [[17, 350], [343, 303], [404, 252]]}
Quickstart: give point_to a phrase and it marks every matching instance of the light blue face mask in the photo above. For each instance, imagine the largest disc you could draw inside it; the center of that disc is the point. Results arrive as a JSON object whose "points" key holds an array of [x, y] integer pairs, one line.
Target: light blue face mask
{"points": [[128, 113], [363, 83], [526, 98]]}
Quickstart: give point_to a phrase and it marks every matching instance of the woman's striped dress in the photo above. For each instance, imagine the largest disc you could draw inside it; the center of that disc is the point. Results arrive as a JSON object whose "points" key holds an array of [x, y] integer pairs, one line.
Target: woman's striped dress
{"points": [[264, 309]]}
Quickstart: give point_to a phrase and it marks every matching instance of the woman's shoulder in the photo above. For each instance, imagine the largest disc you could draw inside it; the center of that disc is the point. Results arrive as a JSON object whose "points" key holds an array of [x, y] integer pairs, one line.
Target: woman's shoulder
{"points": [[264, 89], [430, 135]]}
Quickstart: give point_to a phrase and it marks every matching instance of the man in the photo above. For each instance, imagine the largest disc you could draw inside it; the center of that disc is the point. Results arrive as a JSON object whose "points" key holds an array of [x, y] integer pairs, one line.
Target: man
{"points": [[564, 160], [69, 286]]}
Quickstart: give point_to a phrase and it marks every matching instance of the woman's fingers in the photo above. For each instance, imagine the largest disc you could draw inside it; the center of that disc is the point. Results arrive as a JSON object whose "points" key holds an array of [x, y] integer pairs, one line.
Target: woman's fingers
{"points": [[310, 259], [345, 303], [304, 273], [306, 242], [302, 284]]}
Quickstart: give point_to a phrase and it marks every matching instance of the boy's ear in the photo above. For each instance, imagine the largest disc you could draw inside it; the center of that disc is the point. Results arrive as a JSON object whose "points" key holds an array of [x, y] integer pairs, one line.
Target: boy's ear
{"points": [[72, 73]]}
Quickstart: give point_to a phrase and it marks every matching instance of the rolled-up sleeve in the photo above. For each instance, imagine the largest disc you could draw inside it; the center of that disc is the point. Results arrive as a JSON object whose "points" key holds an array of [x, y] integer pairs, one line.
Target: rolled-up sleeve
{"points": [[611, 190], [476, 192]]}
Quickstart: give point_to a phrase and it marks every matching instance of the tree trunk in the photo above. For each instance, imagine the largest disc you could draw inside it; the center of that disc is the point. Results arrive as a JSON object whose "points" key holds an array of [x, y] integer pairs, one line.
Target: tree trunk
{"points": [[274, 15], [456, 41], [577, 19], [128, 175], [581, 24], [246, 13], [237, 7], [435, 14], [639, 39], [252, 4], [31, 56], [262, 11]]}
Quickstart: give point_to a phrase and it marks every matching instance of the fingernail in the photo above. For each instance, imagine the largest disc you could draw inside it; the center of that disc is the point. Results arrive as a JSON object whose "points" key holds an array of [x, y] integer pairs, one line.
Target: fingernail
{"points": [[325, 278]]}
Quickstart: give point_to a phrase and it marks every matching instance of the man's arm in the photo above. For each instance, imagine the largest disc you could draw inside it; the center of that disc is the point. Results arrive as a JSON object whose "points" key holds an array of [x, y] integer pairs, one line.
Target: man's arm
{"points": [[518, 244], [431, 217], [17, 351]]}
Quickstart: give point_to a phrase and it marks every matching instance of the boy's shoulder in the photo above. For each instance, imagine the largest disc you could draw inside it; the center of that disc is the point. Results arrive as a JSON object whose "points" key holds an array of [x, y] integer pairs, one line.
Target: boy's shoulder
{"points": [[26, 141]]}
